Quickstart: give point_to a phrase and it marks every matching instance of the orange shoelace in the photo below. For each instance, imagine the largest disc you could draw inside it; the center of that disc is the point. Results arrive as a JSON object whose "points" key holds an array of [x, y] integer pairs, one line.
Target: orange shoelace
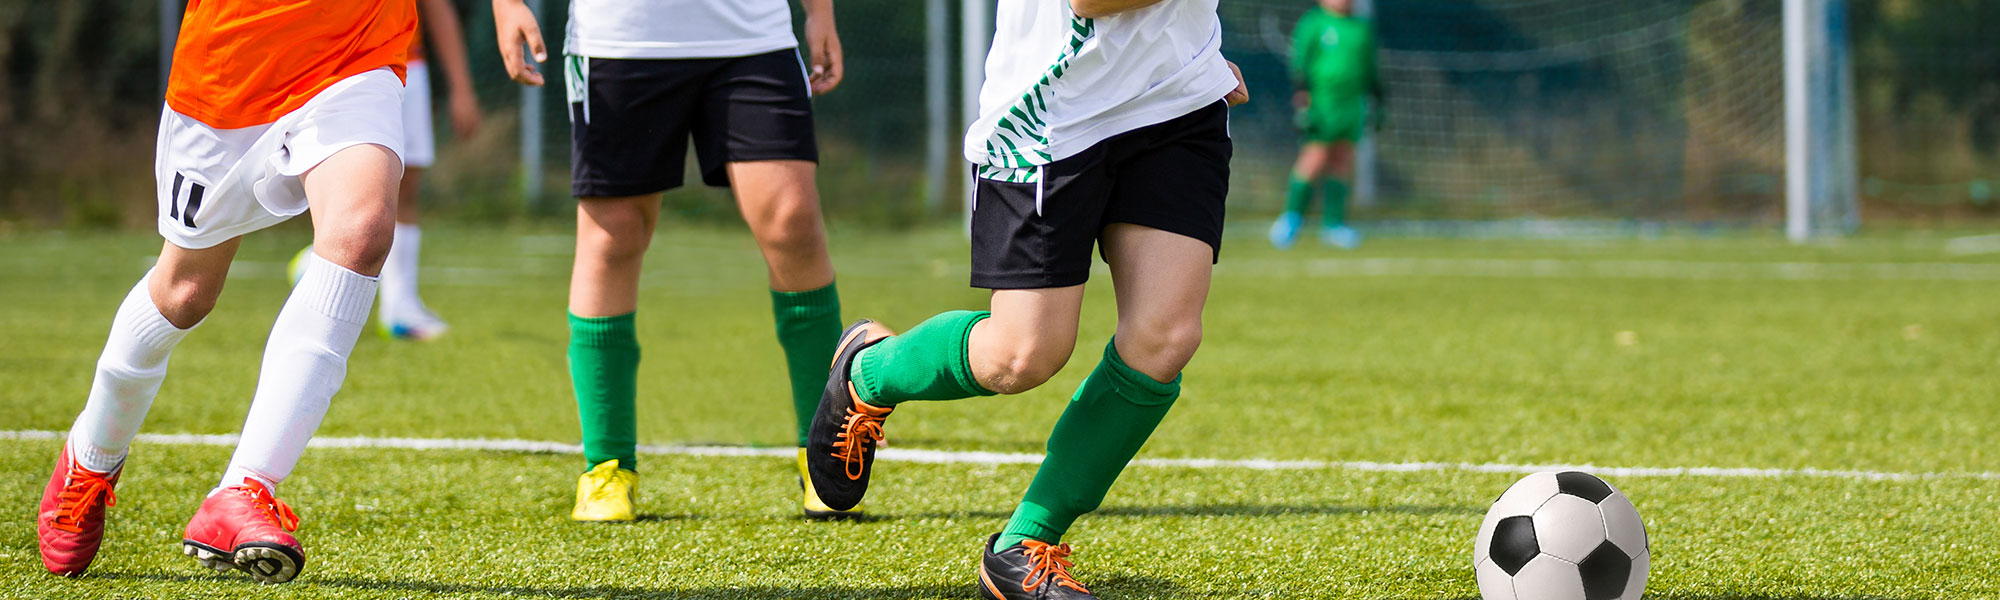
{"points": [[274, 510], [84, 492], [1051, 564], [860, 430]]}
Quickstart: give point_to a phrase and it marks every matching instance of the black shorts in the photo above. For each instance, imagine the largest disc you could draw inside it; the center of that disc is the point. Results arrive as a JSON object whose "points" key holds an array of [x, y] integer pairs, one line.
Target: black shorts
{"points": [[1173, 176], [630, 119]]}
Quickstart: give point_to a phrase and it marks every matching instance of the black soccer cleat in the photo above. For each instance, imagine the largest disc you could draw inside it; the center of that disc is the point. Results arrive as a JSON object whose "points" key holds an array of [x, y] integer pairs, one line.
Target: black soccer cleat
{"points": [[1030, 570], [840, 445]]}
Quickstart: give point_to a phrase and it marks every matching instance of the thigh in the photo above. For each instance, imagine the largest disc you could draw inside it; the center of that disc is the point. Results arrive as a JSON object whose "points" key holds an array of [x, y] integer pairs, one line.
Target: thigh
{"points": [[1161, 280], [781, 206], [755, 108], [1174, 177], [1312, 159], [1157, 276], [1028, 338], [353, 199], [187, 281], [1041, 317], [1339, 159], [1035, 227], [771, 192], [629, 123]]}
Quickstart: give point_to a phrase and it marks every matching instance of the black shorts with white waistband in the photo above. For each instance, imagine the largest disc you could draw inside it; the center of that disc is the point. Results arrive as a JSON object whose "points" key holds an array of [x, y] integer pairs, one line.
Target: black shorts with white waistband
{"points": [[631, 119], [1172, 176]]}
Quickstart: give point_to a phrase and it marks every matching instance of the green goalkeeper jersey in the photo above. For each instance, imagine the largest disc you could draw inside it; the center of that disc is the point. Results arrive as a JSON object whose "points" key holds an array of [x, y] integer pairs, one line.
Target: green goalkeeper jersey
{"points": [[1333, 60]]}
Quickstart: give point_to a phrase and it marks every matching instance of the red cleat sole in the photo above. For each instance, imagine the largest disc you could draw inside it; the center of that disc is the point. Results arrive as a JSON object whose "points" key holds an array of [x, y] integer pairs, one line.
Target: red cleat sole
{"points": [[263, 561]]}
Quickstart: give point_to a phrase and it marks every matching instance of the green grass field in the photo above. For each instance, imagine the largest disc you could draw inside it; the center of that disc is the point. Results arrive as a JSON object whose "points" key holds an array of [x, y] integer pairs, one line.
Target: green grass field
{"points": [[1876, 354]]}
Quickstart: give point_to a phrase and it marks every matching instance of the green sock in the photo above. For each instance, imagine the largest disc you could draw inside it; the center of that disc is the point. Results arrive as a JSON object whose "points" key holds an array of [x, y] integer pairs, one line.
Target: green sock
{"points": [[604, 368], [1297, 195], [1336, 203], [808, 329], [928, 362], [1111, 415]]}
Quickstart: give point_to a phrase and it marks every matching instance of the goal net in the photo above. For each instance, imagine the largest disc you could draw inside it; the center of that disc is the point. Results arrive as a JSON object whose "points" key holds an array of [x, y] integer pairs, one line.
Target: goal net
{"points": [[1629, 112]]}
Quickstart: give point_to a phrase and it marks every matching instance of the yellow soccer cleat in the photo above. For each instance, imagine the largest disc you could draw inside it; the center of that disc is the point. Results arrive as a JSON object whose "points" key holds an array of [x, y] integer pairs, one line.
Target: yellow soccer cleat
{"points": [[813, 507], [604, 493]]}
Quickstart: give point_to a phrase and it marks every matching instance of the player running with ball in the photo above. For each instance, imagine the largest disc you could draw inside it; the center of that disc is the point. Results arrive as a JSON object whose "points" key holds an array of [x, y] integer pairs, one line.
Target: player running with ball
{"points": [[273, 106], [645, 76], [1102, 122]]}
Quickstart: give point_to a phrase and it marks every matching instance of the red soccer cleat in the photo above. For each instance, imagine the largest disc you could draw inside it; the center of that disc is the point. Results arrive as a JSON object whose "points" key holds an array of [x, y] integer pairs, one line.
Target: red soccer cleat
{"points": [[71, 521], [244, 527]]}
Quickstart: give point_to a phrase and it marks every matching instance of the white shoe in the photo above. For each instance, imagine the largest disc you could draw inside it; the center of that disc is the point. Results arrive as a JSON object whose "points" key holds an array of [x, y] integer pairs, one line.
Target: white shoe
{"points": [[414, 325]]}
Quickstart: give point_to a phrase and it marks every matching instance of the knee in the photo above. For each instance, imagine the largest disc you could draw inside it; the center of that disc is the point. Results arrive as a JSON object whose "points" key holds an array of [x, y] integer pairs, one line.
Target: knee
{"points": [[371, 244], [360, 243], [792, 227], [619, 237], [1026, 365], [1159, 348], [185, 301], [1307, 166]]}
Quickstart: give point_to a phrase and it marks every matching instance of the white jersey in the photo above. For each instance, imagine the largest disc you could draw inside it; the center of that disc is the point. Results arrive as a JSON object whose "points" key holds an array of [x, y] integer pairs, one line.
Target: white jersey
{"points": [[1057, 84], [678, 28]]}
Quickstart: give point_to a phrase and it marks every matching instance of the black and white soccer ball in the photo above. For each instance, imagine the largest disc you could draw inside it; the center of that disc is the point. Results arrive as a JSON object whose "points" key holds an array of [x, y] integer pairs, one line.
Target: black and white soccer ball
{"points": [[1561, 536]]}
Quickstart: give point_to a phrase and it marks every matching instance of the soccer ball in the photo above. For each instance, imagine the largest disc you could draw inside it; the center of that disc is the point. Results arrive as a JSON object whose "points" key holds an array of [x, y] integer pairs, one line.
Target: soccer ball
{"points": [[1561, 536]]}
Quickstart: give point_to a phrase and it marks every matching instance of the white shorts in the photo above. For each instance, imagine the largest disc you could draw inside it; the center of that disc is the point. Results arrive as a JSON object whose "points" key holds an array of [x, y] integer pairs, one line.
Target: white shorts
{"points": [[217, 184], [419, 139]]}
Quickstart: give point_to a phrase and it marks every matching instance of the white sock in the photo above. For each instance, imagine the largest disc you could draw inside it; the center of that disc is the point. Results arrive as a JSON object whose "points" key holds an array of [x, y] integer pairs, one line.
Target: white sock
{"points": [[128, 377], [399, 273], [304, 364]]}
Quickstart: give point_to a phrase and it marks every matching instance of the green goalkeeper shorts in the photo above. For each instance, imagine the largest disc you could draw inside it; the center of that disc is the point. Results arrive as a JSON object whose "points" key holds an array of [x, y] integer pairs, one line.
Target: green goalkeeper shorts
{"points": [[1323, 125]]}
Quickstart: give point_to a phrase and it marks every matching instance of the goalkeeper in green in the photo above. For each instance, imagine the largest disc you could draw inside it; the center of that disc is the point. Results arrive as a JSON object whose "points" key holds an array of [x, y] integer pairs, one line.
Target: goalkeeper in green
{"points": [[1333, 71]]}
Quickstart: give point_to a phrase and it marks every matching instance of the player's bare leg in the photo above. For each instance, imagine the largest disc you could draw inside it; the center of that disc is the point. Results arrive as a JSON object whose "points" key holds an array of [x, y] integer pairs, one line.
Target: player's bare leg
{"points": [[1337, 171], [185, 284], [1162, 281], [242, 525], [780, 202], [161, 309], [1310, 167], [612, 235], [1029, 338], [353, 197]]}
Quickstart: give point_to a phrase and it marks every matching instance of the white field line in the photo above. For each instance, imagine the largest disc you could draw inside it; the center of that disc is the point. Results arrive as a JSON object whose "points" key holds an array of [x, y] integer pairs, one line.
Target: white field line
{"points": [[1618, 269], [1509, 268], [1009, 458]]}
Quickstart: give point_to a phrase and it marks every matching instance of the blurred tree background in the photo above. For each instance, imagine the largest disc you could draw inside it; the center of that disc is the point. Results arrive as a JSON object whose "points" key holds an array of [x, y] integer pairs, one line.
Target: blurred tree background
{"points": [[80, 88]]}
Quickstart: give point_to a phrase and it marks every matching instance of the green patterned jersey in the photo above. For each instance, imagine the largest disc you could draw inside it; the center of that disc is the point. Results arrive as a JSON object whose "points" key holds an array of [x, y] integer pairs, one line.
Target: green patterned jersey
{"points": [[1333, 58]]}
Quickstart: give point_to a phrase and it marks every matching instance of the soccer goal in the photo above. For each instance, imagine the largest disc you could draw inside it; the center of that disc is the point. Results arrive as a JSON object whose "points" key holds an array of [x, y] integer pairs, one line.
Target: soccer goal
{"points": [[1543, 116]]}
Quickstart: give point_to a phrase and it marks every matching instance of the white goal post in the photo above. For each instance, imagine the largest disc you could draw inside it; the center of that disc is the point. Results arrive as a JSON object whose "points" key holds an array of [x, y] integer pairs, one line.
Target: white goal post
{"points": [[1821, 170]]}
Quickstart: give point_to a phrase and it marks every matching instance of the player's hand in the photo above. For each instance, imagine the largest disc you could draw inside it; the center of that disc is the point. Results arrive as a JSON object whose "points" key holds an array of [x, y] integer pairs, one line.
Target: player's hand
{"points": [[516, 25], [823, 40], [1242, 92], [465, 116]]}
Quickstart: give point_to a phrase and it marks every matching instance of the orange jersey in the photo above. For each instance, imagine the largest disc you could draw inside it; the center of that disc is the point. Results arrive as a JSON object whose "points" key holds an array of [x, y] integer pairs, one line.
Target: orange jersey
{"points": [[241, 63]]}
